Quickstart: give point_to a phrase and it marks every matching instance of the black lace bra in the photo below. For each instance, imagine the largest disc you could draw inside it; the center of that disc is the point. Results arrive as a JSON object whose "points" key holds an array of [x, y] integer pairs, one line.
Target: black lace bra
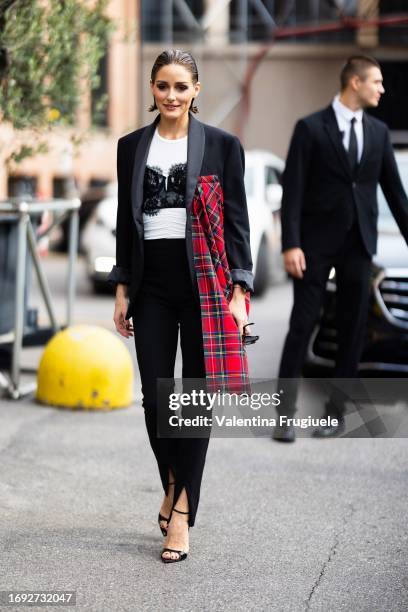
{"points": [[155, 194]]}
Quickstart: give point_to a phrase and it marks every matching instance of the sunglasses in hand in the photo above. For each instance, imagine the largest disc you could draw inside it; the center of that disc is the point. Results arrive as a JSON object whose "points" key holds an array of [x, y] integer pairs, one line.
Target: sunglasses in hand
{"points": [[246, 339]]}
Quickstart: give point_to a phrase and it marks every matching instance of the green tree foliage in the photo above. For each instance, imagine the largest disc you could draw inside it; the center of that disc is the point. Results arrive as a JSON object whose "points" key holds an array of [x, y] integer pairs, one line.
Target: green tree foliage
{"points": [[50, 51]]}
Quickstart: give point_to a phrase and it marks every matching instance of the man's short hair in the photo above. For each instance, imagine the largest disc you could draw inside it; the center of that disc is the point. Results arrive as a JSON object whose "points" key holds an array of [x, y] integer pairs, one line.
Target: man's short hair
{"points": [[356, 65]]}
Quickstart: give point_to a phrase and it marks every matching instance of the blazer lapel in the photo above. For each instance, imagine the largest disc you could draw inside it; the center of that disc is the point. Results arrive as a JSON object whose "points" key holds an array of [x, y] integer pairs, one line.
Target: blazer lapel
{"points": [[139, 166], [335, 136], [195, 154]]}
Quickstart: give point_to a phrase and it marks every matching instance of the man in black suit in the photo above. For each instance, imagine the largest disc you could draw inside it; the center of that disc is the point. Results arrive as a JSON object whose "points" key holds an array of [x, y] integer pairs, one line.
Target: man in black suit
{"points": [[336, 159]]}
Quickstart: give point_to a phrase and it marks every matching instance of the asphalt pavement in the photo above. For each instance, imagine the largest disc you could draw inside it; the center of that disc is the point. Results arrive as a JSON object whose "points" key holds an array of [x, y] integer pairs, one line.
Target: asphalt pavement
{"points": [[318, 525]]}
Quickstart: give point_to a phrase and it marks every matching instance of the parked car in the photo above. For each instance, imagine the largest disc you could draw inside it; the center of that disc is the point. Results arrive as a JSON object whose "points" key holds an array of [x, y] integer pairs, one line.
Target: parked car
{"points": [[89, 201], [99, 240], [263, 172], [264, 193], [386, 343]]}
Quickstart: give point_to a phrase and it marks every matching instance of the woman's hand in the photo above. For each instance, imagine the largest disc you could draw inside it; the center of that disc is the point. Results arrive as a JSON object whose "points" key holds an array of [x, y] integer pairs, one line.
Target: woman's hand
{"points": [[123, 326], [238, 309]]}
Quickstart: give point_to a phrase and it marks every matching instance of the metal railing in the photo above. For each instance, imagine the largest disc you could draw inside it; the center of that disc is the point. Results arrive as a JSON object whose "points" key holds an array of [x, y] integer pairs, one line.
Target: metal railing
{"points": [[21, 211]]}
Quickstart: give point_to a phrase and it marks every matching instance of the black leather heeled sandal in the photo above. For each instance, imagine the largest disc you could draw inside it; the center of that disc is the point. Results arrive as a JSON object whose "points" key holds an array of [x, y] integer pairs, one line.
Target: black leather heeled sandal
{"points": [[164, 518], [181, 553]]}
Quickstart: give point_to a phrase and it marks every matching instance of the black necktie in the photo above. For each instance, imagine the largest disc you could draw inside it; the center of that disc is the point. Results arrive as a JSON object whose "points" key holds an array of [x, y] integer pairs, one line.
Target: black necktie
{"points": [[352, 150]]}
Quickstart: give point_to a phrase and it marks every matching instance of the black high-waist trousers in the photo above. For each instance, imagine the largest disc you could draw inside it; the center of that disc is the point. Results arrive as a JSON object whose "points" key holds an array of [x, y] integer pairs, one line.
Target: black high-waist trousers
{"points": [[164, 307]]}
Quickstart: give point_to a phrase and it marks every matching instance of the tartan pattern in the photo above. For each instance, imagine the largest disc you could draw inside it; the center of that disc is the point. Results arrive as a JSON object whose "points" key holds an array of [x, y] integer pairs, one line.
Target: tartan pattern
{"points": [[225, 357]]}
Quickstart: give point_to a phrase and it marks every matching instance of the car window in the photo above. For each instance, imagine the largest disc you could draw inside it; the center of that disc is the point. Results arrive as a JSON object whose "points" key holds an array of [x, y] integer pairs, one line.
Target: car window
{"points": [[272, 177], [249, 181], [386, 220]]}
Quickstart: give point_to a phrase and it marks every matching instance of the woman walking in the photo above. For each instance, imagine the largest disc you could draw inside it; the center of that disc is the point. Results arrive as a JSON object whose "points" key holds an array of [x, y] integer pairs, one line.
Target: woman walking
{"points": [[183, 263]]}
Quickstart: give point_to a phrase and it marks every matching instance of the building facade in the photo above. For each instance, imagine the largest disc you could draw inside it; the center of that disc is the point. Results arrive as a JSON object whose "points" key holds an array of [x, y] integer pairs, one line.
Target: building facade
{"points": [[94, 162], [265, 63], [262, 65]]}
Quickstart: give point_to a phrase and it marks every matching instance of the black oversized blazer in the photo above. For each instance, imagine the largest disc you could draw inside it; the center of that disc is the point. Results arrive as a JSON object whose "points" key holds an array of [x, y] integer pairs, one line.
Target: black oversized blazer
{"points": [[321, 193], [210, 151]]}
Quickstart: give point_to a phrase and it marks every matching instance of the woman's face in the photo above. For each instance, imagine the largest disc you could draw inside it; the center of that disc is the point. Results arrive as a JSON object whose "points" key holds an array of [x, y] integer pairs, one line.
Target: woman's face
{"points": [[173, 90]]}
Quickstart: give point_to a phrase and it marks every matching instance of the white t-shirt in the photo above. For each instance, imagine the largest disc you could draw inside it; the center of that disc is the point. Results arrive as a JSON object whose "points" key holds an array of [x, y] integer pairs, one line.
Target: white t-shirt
{"points": [[166, 158]]}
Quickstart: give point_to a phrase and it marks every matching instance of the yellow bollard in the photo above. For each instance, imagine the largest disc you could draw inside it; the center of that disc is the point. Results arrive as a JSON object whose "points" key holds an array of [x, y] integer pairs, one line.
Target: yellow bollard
{"points": [[85, 367]]}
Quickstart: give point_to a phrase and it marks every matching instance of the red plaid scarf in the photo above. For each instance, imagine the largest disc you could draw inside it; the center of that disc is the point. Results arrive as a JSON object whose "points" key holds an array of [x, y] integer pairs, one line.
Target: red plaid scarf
{"points": [[224, 353]]}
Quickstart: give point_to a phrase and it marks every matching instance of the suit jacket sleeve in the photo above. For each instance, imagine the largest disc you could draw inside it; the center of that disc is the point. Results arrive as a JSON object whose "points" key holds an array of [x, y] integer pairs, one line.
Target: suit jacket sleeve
{"points": [[236, 222], [294, 185], [393, 189], [124, 222]]}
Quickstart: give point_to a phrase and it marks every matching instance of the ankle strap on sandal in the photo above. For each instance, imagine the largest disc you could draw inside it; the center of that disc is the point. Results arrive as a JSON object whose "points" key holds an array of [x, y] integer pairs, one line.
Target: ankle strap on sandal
{"points": [[180, 511]]}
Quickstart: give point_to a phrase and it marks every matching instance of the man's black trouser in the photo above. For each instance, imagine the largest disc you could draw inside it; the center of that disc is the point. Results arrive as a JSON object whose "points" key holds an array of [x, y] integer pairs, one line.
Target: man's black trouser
{"points": [[164, 306], [353, 266]]}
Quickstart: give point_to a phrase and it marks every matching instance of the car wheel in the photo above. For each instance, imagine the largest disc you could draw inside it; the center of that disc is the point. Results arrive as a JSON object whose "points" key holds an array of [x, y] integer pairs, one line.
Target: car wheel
{"points": [[261, 280]]}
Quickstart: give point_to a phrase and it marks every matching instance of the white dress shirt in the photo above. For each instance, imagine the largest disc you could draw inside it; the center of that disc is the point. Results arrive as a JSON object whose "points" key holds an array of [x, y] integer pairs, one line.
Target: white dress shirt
{"points": [[344, 116]]}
